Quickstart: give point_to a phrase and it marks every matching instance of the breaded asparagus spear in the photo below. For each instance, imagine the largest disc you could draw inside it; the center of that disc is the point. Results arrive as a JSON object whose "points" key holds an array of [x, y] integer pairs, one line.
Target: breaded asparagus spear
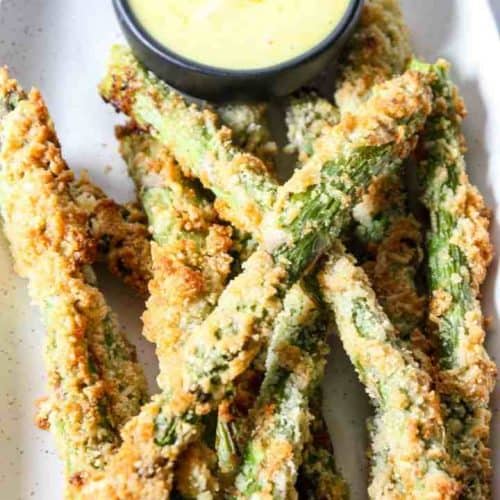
{"points": [[190, 255], [121, 234], [307, 118], [94, 381], [202, 147], [230, 338], [409, 457], [294, 369], [459, 252], [378, 50], [148, 162], [388, 237]]}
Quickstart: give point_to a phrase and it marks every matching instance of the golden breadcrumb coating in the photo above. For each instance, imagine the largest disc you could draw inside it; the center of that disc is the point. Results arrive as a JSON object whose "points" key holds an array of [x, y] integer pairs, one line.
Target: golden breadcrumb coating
{"points": [[121, 234], [378, 50], [94, 382], [194, 476], [409, 457]]}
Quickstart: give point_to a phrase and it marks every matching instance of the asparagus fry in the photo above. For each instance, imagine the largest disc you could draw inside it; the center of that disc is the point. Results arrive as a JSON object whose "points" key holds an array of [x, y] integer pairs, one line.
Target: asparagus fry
{"points": [[388, 237], [379, 49], [459, 252], [394, 247], [194, 137], [295, 365], [190, 256], [409, 456], [166, 196], [94, 381]]}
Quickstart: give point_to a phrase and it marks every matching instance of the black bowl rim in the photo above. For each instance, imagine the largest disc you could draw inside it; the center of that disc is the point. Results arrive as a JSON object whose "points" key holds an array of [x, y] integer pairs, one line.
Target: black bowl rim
{"points": [[126, 14]]}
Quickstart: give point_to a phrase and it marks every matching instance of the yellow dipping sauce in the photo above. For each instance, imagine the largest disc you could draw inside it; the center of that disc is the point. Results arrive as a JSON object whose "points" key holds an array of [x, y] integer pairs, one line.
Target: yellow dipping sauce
{"points": [[239, 34]]}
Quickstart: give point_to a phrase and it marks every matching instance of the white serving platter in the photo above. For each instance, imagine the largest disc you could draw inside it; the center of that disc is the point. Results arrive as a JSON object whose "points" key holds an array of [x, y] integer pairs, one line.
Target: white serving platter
{"points": [[61, 47]]}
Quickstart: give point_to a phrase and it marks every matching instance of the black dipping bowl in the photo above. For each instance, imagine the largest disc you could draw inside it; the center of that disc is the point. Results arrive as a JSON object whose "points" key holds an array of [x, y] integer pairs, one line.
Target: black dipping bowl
{"points": [[219, 84]]}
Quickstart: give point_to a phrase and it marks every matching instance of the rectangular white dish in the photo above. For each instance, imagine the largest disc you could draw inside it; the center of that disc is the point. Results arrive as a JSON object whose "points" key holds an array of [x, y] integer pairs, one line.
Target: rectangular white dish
{"points": [[61, 47]]}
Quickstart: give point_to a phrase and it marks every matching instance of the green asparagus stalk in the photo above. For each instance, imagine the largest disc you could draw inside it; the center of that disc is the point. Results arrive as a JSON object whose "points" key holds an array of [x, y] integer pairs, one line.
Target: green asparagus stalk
{"points": [[459, 252], [309, 117], [409, 456], [200, 145], [394, 245], [231, 336], [94, 381], [295, 365]]}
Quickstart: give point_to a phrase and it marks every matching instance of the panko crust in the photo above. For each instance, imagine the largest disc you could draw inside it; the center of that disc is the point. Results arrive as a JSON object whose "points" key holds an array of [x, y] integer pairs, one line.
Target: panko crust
{"points": [[459, 251], [409, 457], [121, 233], [378, 50], [128, 86], [50, 242], [376, 123]]}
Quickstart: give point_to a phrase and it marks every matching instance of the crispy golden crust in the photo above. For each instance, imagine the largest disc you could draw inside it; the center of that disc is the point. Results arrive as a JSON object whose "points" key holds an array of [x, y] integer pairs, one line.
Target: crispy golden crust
{"points": [[121, 234], [397, 255], [459, 252], [261, 268], [410, 460], [128, 86], [378, 50], [49, 239], [197, 286], [374, 125], [475, 377], [195, 473], [250, 129], [11, 92], [140, 469]]}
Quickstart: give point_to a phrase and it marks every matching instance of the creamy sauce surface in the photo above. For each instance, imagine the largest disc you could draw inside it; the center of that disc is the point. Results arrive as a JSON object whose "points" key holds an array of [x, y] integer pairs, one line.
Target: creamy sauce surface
{"points": [[239, 34]]}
